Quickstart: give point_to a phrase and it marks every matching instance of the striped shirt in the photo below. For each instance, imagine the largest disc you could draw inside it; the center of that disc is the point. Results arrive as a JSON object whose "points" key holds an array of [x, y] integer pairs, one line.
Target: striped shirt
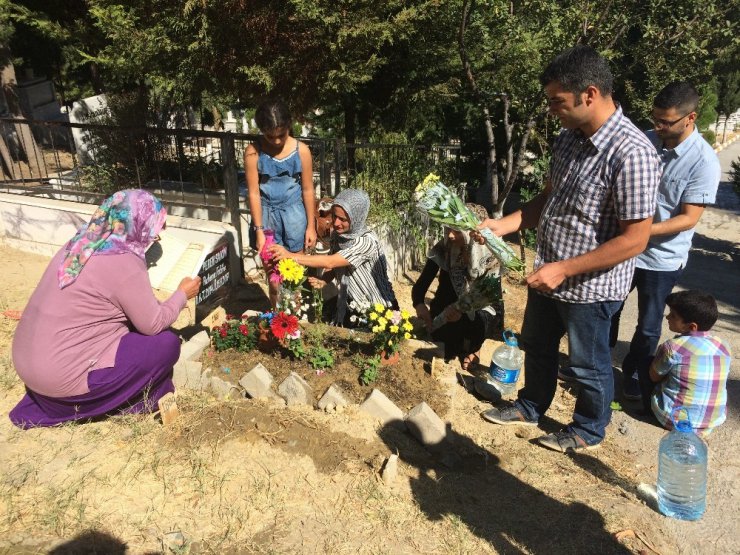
{"points": [[367, 275], [695, 366], [596, 182]]}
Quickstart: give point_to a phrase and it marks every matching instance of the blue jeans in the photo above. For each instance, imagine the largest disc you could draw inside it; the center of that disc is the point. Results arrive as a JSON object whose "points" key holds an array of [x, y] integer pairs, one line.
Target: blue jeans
{"points": [[546, 320], [652, 289]]}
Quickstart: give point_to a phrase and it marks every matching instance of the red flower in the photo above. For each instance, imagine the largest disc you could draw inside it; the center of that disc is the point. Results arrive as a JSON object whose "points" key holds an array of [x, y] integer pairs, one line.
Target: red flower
{"points": [[222, 332], [243, 329], [283, 324]]}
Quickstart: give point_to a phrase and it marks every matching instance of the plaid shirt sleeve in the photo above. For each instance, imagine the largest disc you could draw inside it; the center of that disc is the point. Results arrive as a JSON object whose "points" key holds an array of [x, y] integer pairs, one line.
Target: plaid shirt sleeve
{"points": [[636, 184], [665, 359]]}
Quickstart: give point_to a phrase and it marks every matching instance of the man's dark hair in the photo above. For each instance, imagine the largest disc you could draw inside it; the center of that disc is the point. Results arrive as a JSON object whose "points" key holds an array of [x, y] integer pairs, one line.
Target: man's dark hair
{"points": [[694, 306], [577, 68], [680, 95], [272, 114]]}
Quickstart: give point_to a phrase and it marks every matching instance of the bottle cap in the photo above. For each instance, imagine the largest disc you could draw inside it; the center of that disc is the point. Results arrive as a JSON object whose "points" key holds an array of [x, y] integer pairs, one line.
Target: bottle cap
{"points": [[510, 338], [683, 425]]}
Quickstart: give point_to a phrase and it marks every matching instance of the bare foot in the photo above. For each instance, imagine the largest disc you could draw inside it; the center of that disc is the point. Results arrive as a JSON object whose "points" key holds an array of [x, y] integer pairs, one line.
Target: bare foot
{"points": [[168, 410], [470, 361]]}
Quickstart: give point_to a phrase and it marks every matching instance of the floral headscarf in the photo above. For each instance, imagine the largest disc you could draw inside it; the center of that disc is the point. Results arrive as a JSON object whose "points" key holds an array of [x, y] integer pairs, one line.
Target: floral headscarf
{"points": [[127, 221], [465, 263]]}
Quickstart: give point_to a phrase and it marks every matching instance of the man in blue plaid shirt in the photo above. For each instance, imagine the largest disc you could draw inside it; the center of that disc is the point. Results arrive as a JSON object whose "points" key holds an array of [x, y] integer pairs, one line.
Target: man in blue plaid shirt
{"points": [[592, 219]]}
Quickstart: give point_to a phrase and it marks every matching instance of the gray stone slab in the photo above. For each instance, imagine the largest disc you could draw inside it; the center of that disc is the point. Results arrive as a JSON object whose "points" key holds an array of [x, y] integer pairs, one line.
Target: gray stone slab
{"points": [[390, 470], [426, 350], [187, 374], [224, 389], [334, 397], [376, 404], [201, 338], [193, 349], [426, 426], [295, 390], [258, 382]]}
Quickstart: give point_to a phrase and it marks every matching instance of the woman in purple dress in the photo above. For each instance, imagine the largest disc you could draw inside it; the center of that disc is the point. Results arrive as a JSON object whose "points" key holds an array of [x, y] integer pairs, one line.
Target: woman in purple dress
{"points": [[93, 340]]}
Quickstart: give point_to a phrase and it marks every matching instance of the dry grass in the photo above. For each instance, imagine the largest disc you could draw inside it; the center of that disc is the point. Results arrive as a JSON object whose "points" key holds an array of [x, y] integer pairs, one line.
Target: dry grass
{"points": [[243, 476]]}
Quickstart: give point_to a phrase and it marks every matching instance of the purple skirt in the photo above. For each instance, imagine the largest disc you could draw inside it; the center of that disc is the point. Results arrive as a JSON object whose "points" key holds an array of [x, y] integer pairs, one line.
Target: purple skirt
{"points": [[141, 376]]}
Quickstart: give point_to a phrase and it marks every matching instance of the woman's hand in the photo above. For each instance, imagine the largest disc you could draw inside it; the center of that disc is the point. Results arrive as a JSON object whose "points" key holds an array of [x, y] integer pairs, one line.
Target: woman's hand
{"points": [[316, 283], [452, 314], [422, 312], [279, 253], [310, 240], [260, 239], [189, 286]]}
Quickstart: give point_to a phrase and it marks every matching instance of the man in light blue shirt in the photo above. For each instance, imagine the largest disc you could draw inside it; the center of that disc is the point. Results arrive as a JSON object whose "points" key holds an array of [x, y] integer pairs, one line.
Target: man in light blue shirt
{"points": [[691, 173]]}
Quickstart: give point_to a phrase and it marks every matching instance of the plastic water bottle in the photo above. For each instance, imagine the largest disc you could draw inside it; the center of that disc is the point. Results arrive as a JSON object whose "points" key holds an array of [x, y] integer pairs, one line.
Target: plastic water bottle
{"points": [[682, 472], [506, 364]]}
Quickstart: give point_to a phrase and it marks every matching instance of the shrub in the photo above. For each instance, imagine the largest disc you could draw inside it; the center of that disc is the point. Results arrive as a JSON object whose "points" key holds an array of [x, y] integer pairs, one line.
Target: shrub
{"points": [[735, 175], [369, 369], [237, 334], [709, 136]]}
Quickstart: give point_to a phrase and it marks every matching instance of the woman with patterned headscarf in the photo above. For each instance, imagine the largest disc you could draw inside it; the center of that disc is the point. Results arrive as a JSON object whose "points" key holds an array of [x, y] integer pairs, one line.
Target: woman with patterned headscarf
{"points": [[93, 340], [458, 261], [356, 260]]}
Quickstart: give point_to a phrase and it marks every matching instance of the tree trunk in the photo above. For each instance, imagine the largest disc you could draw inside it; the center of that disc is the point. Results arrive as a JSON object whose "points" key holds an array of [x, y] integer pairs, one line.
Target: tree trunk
{"points": [[25, 136], [350, 134]]}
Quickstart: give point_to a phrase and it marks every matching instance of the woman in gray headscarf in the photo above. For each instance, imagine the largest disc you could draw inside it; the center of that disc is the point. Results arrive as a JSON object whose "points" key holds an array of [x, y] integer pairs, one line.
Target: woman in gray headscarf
{"points": [[458, 261], [356, 260]]}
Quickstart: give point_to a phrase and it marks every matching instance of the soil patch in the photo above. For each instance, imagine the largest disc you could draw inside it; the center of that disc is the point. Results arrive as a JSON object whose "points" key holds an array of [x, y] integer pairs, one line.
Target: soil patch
{"points": [[407, 383], [290, 431]]}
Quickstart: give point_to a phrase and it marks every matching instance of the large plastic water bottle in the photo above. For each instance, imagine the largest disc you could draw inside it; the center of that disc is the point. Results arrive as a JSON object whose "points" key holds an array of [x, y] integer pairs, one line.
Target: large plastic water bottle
{"points": [[682, 472], [506, 364]]}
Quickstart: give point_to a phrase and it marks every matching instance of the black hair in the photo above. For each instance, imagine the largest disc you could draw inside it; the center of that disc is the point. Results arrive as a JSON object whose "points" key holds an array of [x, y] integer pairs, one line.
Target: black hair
{"points": [[272, 114], [694, 306], [577, 68], [680, 95]]}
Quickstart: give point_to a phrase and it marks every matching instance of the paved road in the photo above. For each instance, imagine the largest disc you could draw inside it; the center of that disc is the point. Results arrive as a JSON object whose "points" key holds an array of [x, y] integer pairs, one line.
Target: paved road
{"points": [[713, 266]]}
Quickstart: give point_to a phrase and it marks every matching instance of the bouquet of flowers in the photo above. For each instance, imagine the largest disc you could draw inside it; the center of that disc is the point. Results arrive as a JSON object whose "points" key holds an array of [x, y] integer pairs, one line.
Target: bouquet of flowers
{"points": [[443, 206], [483, 292], [291, 276], [390, 327]]}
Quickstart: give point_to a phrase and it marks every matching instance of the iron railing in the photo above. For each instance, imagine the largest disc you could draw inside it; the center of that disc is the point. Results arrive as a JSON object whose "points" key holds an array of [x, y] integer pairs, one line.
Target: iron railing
{"points": [[201, 171]]}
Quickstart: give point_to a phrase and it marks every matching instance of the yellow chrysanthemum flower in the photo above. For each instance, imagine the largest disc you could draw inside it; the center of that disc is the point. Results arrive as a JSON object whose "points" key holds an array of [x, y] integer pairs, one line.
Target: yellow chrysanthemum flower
{"points": [[381, 327], [291, 271], [390, 343], [407, 326], [405, 315], [407, 335], [378, 308], [373, 316], [394, 329], [376, 329], [382, 321], [389, 314]]}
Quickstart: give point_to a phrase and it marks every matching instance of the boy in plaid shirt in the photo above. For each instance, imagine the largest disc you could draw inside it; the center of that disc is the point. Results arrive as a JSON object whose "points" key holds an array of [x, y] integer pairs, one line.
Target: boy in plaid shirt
{"points": [[691, 369]]}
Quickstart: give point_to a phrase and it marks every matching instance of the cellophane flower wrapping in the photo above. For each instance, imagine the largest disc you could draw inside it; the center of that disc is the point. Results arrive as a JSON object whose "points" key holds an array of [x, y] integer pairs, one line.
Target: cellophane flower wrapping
{"points": [[443, 206]]}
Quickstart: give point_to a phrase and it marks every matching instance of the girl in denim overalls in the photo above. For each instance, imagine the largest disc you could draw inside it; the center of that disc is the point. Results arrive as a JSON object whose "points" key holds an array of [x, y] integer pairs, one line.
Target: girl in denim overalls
{"points": [[280, 184]]}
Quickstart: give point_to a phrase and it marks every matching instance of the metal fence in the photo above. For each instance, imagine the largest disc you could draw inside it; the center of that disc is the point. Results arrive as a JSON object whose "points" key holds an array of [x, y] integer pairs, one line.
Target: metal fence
{"points": [[202, 171]]}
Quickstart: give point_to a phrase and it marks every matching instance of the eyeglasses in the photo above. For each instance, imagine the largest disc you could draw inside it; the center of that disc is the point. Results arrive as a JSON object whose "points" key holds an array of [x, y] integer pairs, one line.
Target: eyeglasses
{"points": [[665, 123]]}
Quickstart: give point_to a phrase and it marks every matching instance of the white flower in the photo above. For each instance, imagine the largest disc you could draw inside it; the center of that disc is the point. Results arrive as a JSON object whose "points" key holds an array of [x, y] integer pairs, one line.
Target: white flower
{"points": [[458, 217]]}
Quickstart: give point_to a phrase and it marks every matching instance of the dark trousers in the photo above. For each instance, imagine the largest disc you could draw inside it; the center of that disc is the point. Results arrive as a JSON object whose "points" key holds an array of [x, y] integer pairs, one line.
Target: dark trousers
{"points": [[652, 289], [546, 320]]}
